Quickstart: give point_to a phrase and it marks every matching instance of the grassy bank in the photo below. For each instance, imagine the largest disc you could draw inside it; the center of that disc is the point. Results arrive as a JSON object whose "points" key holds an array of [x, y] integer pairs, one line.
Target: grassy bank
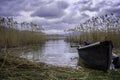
{"points": [[14, 68]]}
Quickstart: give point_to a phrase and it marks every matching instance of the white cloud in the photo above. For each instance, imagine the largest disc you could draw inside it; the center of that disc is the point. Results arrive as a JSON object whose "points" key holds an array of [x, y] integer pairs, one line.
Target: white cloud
{"points": [[54, 31], [57, 15]]}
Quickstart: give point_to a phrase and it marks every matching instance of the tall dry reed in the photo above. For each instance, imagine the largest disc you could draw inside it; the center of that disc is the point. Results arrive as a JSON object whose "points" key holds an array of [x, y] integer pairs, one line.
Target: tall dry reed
{"points": [[106, 27], [14, 34]]}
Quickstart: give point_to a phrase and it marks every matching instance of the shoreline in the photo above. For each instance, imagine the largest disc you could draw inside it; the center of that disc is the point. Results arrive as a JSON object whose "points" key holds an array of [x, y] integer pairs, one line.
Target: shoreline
{"points": [[10, 62], [12, 67]]}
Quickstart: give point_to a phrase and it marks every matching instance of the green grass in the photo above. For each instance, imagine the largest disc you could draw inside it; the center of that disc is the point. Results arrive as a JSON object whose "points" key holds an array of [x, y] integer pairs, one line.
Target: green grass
{"points": [[14, 68]]}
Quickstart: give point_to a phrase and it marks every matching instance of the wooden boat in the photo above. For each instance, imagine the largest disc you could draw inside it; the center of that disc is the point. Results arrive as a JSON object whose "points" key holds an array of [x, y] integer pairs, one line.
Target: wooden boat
{"points": [[97, 55]]}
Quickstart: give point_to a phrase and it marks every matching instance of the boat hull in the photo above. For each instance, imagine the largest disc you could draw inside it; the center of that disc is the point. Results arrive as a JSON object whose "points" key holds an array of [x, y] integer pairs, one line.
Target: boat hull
{"points": [[97, 56]]}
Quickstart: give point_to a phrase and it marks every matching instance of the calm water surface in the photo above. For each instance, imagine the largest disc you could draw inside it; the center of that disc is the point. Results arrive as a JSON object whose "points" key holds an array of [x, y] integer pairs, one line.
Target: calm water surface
{"points": [[56, 52]]}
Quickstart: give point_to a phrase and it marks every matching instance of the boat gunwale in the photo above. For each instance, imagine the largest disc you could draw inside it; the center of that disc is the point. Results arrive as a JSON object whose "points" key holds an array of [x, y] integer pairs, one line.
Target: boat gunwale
{"points": [[90, 45]]}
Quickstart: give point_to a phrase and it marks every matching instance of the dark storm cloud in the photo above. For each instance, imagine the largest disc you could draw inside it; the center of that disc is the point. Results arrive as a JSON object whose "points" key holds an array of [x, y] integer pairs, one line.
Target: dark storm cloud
{"points": [[74, 17], [115, 11], [3, 1], [84, 5], [99, 7], [117, 4], [48, 12], [84, 15], [10, 7], [62, 4], [58, 14], [108, 7], [88, 6], [39, 3], [53, 10], [82, 2], [15, 7], [111, 7]]}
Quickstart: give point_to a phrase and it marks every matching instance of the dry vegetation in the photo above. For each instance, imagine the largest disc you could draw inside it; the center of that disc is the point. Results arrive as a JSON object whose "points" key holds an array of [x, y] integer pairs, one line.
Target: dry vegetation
{"points": [[106, 27], [15, 68], [14, 34]]}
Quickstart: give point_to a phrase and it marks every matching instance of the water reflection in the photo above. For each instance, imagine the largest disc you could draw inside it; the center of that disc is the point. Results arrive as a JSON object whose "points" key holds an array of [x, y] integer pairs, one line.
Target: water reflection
{"points": [[56, 52]]}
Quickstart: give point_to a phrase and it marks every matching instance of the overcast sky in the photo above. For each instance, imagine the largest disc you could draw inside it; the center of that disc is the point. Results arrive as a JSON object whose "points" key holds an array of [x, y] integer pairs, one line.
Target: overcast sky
{"points": [[57, 15]]}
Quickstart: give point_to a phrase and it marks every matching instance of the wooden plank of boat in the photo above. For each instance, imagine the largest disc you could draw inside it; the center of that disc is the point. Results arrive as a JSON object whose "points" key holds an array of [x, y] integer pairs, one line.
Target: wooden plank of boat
{"points": [[97, 55]]}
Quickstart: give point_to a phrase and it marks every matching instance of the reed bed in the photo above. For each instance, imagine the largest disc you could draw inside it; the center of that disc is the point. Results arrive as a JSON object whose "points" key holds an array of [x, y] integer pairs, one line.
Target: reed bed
{"points": [[14, 34], [106, 27]]}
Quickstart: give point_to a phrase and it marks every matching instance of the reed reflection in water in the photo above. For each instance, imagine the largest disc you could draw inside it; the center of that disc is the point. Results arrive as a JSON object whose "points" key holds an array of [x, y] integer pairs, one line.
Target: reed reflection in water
{"points": [[56, 52]]}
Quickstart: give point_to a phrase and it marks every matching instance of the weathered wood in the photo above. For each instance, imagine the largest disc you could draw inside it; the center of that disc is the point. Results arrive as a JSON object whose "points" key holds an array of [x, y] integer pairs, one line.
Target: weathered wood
{"points": [[97, 55]]}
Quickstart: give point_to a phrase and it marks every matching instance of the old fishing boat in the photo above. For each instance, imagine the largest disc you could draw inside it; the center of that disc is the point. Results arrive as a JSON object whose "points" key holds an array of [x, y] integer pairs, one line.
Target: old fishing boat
{"points": [[97, 55]]}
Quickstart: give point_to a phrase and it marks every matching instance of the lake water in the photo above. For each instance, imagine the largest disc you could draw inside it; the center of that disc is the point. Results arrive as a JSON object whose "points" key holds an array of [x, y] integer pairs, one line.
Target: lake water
{"points": [[57, 52]]}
